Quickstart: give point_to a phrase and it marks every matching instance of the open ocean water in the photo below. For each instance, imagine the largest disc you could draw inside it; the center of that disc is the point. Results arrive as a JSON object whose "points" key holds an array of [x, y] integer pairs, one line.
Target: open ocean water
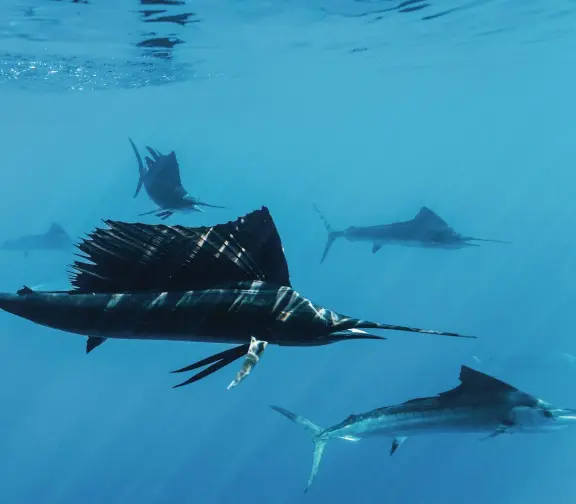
{"points": [[368, 109]]}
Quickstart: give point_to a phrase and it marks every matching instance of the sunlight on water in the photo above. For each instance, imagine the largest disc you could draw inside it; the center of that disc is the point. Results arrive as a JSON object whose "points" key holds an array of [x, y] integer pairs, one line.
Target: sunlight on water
{"points": [[58, 45]]}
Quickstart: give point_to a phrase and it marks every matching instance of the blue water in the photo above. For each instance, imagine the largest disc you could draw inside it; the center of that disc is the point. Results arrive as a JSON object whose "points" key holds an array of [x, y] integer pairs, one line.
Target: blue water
{"points": [[473, 116]]}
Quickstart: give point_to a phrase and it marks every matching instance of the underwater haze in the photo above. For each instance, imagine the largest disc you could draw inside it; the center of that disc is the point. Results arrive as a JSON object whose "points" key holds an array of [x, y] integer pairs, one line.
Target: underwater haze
{"points": [[369, 110]]}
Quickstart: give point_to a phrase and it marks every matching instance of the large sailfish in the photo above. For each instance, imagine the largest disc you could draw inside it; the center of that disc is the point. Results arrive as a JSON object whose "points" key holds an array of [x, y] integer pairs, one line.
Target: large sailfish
{"points": [[228, 283]]}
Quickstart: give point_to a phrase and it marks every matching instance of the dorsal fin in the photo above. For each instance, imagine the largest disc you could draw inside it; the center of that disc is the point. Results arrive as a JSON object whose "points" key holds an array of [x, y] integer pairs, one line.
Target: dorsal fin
{"points": [[24, 290], [145, 257], [164, 168], [429, 218], [476, 382], [56, 229]]}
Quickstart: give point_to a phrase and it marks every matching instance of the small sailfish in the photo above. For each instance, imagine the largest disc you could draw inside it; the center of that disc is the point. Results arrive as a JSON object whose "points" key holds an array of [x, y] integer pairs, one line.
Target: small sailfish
{"points": [[162, 183], [227, 283], [427, 229], [55, 238]]}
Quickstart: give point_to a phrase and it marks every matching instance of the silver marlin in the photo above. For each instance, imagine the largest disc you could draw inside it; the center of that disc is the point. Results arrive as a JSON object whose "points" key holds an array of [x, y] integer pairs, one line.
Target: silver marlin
{"points": [[427, 230], [480, 404]]}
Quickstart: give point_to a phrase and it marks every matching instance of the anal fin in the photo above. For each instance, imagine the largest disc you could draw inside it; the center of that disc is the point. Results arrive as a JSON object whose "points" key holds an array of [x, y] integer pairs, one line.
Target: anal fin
{"points": [[397, 442], [376, 247], [93, 342]]}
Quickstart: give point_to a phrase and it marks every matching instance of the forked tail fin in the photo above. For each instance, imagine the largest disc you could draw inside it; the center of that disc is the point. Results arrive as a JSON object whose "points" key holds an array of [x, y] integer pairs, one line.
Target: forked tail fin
{"points": [[315, 433], [332, 235], [141, 169]]}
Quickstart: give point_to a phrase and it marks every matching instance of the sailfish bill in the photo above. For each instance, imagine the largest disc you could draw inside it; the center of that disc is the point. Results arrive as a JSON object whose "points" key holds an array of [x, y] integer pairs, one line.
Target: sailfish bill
{"points": [[227, 283]]}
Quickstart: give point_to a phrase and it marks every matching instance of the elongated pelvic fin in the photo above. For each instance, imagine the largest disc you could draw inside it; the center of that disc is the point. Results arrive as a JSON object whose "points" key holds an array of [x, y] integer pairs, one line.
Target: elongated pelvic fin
{"points": [[151, 212], [164, 214], [255, 350], [159, 212], [252, 353], [218, 361]]}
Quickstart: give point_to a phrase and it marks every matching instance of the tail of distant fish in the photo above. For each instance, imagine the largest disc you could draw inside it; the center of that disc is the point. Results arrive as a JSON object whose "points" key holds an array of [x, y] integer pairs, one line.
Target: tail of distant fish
{"points": [[332, 235], [316, 434], [141, 169]]}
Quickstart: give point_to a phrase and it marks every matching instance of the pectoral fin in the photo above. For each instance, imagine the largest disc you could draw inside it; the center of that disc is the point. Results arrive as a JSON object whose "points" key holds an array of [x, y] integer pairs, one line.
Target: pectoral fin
{"points": [[397, 442], [503, 428], [376, 247]]}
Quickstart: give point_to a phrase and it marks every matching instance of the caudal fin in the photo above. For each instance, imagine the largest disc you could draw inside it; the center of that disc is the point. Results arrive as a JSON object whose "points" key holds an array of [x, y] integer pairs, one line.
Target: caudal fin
{"points": [[332, 235], [315, 433], [141, 169]]}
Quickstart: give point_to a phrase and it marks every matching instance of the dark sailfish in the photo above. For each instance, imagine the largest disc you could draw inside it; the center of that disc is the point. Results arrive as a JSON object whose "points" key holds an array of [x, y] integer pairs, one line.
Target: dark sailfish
{"points": [[228, 283], [163, 184]]}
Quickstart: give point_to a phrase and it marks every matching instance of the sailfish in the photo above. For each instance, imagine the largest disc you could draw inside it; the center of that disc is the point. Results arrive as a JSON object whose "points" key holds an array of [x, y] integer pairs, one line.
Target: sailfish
{"points": [[426, 230], [163, 184], [479, 404], [228, 283]]}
